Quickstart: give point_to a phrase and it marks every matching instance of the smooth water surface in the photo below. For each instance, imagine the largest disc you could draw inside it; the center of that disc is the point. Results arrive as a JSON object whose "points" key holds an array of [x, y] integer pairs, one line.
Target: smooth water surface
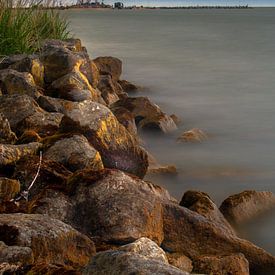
{"points": [[215, 69]]}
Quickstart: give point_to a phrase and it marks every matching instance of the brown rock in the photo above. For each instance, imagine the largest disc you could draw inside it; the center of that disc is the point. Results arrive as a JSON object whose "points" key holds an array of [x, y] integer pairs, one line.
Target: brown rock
{"points": [[193, 135], [180, 261], [127, 86], [147, 115], [201, 203], [193, 235], [235, 264], [110, 206], [50, 269], [72, 44], [10, 154], [108, 89], [118, 149], [108, 65], [246, 205], [14, 82], [50, 240], [6, 134], [23, 113], [75, 153], [9, 188], [29, 136], [6, 61]]}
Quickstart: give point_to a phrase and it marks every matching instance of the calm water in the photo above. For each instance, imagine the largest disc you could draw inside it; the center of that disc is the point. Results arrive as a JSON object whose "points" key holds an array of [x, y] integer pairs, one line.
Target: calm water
{"points": [[216, 71]]}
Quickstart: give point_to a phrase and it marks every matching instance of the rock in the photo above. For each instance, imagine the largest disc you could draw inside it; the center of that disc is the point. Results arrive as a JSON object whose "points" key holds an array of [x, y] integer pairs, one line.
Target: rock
{"points": [[10, 154], [50, 240], [242, 207], [32, 65], [157, 169], [127, 86], [201, 203], [6, 61], [6, 268], [193, 235], [118, 149], [176, 119], [23, 113], [109, 206], [6, 134], [126, 118], [147, 115], [14, 82], [50, 269], [126, 263], [29, 136], [75, 153], [180, 261], [18, 255], [9, 188], [108, 89], [108, 65], [51, 173], [235, 264], [71, 44], [73, 86], [95, 73], [146, 248], [193, 135]]}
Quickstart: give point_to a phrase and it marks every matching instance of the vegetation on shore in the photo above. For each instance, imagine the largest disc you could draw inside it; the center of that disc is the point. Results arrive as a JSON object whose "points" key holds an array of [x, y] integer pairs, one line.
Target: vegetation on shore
{"points": [[24, 24]]}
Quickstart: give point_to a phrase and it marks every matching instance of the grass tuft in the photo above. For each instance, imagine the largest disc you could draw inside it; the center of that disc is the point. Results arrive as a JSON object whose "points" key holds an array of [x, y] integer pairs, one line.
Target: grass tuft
{"points": [[24, 24]]}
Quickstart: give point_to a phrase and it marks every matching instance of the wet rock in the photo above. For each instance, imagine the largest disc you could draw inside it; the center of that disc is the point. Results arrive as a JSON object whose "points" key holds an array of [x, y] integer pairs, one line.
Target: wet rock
{"points": [[9, 188], [201, 203], [108, 89], [75, 153], [51, 173], [32, 65], [193, 135], [73, 86], [14, 82], [110, 206], [242, 207], [127, 86], [146, 248], [180, 261], [50, 240], [6, 134], [193, 235], [23, 113], [118, 149], [108, 65], [15, 254], [235, 264], [10, 154], [147, 115], [126, 263]]}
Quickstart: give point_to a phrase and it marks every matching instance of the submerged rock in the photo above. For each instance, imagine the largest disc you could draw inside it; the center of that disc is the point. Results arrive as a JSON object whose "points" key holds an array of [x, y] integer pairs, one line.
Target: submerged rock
{"points": [[50, 240], [242, 207], [193, 135], [235, 264], [75, 153]]}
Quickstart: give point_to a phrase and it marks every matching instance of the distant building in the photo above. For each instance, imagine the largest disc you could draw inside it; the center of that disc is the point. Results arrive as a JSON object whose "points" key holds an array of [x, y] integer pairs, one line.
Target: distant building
{"points": [[118, 5]]}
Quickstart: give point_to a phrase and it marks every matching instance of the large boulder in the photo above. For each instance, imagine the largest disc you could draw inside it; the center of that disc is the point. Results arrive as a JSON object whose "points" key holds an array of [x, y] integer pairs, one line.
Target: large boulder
{"points": [[235, 264], [242, 207], [50, 240], [117, 147], [23, 113], [127, 263], [201, 203], [110, 206], [193, 235], [108, 65], [14, 82], [6, 134], [9, 188], [10, 154], [75, 153], [147, 115]]}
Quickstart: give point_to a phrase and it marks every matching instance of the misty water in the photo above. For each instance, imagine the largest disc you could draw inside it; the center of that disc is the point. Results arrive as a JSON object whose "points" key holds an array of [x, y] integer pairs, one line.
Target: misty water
{"points": [[214, 69]]}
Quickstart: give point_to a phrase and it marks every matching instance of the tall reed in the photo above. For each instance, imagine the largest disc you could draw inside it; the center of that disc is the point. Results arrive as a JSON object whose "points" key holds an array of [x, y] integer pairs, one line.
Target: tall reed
{"points": [[24, 24]]}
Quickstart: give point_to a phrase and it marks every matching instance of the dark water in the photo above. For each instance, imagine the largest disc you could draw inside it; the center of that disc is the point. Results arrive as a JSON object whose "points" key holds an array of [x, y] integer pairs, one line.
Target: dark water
{"points": [[216, 71]]}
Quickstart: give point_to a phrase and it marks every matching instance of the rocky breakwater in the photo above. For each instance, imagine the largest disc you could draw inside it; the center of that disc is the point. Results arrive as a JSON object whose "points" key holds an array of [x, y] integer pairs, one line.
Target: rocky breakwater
{"points": [[72, 195]]}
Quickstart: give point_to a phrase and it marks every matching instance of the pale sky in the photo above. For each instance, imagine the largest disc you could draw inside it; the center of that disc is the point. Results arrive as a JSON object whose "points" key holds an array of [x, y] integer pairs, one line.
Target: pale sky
{"points": [[189, 2]]}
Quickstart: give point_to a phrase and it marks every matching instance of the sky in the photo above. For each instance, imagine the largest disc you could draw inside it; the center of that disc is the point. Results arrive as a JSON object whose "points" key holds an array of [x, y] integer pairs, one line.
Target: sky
{"points": [[191, 2]]}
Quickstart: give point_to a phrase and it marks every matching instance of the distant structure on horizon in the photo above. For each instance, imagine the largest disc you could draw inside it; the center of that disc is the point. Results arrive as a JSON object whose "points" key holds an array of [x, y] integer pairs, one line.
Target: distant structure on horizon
{"points": [[90, 4], [118, 5]]}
